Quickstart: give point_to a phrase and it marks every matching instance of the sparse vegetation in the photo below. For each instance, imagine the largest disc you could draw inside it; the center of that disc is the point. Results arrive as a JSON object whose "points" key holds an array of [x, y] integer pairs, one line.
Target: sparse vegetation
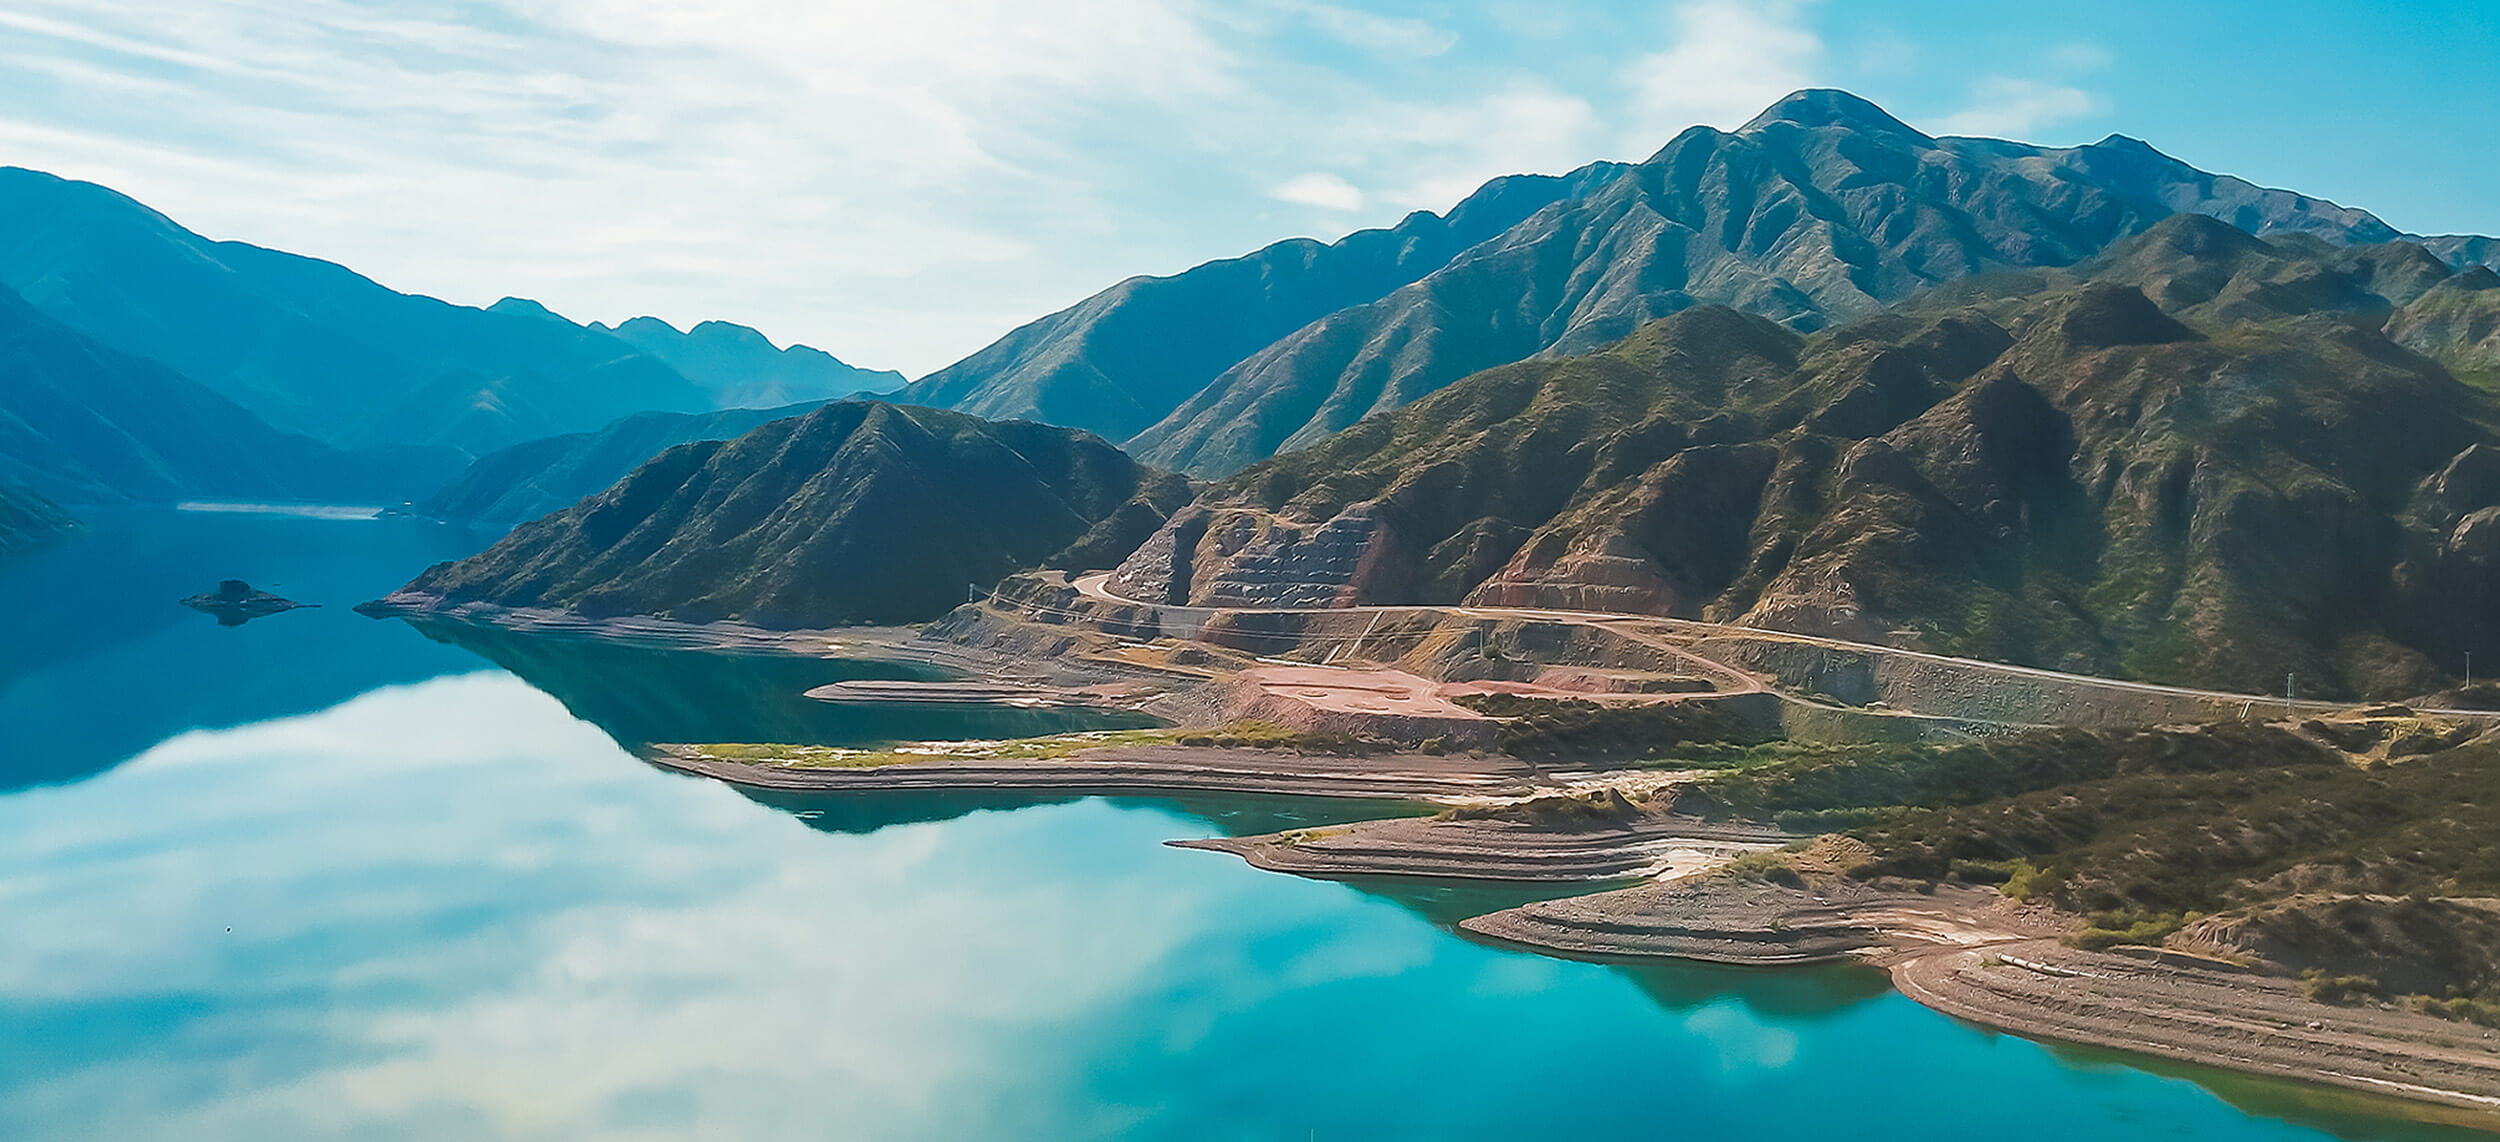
{"points": [[1585, 730]]}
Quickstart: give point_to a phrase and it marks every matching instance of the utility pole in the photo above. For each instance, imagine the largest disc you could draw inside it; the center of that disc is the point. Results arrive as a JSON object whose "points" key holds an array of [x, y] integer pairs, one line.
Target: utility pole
{"points": [[2287, 695]]}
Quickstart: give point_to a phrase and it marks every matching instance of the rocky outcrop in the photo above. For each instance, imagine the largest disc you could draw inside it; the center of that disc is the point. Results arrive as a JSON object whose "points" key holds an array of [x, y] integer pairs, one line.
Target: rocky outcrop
{"points": [[236, 602], [1244, 558]]}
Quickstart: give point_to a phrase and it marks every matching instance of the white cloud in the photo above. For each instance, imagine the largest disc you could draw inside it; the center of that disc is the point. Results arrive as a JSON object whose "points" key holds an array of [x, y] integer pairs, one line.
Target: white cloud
{"points": [[1383, 34], [1524, 127], [1320, 189], [1728, 60], [2007, 107]]}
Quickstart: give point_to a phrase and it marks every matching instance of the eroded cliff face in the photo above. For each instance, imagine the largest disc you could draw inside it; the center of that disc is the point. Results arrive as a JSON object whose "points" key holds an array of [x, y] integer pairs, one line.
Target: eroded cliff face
{"points": [[2245, 478], [1238, 557]]}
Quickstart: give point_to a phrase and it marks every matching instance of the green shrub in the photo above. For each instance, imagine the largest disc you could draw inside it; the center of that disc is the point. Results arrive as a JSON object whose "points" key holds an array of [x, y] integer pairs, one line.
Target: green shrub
{"points": [[2338, 989]]}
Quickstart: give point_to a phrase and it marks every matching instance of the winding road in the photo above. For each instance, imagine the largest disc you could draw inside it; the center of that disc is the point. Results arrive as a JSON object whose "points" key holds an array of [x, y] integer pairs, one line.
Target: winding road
{"points": [[1096, 586]]}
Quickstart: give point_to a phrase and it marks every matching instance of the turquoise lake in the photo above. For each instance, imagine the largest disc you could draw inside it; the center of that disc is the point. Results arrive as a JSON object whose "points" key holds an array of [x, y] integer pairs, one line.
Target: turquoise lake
{"points": [[323, 876]]}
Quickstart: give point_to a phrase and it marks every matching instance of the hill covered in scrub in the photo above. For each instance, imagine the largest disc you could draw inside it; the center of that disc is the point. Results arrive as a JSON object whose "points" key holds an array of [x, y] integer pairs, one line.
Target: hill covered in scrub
{"points": [[2358, 849], [860, 512], [2199, 457], [28, 520], [548, 474]]}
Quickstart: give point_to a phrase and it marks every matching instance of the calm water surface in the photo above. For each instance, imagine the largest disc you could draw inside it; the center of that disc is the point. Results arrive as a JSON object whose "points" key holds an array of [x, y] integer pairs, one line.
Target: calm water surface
{"points": [[326, 877]]}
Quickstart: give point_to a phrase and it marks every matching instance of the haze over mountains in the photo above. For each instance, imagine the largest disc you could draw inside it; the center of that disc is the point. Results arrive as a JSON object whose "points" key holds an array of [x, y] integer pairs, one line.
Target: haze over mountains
{"points": [[299, 379], [1821, 209]]}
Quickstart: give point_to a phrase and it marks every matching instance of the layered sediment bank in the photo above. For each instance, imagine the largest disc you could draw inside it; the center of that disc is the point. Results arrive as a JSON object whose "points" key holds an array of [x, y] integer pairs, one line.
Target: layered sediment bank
{"points": [[1514, 843], [1149, 768], [1971, 954]]}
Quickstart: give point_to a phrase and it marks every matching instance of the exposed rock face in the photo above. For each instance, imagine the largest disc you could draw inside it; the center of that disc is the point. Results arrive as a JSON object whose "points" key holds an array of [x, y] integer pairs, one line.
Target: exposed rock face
{"points": [[858, 512], [1240, 558], [2242, 479]]}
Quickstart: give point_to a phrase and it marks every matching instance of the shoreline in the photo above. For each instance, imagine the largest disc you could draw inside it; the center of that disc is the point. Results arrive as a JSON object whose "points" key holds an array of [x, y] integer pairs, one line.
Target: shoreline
{"points": [[1968, 954], [1965, 953], [1135, 769]]}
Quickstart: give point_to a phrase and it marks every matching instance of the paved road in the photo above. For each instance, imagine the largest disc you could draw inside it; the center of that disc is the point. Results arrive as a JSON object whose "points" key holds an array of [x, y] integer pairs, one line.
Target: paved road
{"points": [[1097, 586]]}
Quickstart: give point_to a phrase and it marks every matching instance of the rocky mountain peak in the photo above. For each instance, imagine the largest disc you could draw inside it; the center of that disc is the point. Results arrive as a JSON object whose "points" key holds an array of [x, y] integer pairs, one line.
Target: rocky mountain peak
{"points": [[1828, 107]]}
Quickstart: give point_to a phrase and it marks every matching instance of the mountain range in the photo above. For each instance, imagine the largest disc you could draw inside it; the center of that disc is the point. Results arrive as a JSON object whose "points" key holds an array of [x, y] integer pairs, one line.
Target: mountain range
{"points": [[2197, 456], [742, 368], [1823, 209], [299, 379]]}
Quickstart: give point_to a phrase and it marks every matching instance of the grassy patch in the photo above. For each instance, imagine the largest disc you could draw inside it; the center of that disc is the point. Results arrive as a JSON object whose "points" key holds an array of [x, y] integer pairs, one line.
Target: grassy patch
{"points": [[929, 753]]}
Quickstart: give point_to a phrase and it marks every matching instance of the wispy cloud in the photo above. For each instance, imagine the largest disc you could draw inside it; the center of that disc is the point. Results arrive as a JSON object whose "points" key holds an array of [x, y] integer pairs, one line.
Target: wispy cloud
{"points": [[898, 183], [2009, 107], [1727, 60], [1388, 35], [1320, 189]]}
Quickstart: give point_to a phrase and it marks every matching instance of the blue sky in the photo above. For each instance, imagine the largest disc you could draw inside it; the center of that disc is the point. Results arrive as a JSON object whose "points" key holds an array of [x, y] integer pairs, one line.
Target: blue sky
{"points": [[901, 182]]}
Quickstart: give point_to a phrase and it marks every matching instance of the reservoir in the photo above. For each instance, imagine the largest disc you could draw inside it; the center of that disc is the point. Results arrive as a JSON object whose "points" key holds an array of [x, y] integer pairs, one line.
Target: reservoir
{"points": [[324, 876]]}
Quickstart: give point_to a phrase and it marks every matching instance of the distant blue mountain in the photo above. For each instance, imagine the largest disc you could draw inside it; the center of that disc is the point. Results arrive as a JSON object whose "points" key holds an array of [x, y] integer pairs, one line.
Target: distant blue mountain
{"points": [[83, 423], [743, 368], [314, 348]]}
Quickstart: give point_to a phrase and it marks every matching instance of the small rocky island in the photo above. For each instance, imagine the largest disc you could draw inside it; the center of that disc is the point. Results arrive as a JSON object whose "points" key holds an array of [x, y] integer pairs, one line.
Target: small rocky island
{"points": [[236, 602]]}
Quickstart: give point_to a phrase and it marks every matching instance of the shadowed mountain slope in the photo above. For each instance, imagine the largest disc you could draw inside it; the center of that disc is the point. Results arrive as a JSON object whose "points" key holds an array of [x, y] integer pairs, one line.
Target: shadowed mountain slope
{"points": [[82, 423], [28, 520], [2198, 458], [858, 512], [1124, 358]]}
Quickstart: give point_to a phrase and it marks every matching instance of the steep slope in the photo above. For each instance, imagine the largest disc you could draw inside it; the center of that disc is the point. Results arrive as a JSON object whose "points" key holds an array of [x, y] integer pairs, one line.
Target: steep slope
{"points": [[309, 346], [742, 368], [83, 423], [1124, 358], [28, 520], [858, 512], [535, 477], [1823, 209], [2243, 479]]}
